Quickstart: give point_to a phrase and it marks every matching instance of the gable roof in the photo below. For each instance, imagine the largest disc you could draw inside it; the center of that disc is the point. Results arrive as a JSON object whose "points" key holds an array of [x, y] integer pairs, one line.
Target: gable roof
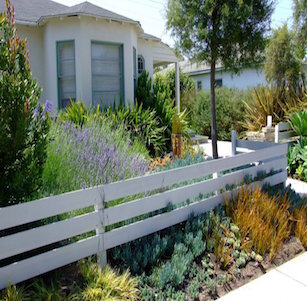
{"points": [[32, 10], [90, 9], [35, 11]]}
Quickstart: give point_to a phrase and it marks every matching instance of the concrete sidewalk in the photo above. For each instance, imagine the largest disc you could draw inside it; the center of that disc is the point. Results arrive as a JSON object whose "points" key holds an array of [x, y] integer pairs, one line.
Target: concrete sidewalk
{"points": [[298, 186], [288, 282]]}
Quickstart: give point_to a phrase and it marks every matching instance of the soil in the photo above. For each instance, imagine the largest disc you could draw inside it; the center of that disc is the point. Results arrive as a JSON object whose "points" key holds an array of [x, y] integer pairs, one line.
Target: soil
{"points": [[253, 270]]}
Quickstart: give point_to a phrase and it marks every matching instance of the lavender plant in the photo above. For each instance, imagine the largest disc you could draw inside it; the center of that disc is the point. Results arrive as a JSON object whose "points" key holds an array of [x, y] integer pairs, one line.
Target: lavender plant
{"points": [[88, 156]]}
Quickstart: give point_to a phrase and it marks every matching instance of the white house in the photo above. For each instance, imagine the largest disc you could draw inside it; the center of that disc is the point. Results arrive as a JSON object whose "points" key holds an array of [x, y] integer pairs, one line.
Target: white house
{"points": [[246, 78], [86, 52]]}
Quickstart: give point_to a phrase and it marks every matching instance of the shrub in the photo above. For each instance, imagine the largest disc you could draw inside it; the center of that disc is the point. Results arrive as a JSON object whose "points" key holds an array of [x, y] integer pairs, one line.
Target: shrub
{"points": [[142, 125], [41, 291], [263, 219], [162, 99], [298, 122], [12, 293], [143, 90], [166, 82], [91, 155], [300, 228], [229, 112], [23, 123], [297, 159], [76, 113], [108, 284], [275, 101]]}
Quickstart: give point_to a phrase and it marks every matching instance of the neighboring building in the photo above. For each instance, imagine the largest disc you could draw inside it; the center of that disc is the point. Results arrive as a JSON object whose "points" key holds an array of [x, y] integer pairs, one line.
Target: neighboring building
{"points": [[246, 78], [86, 52]]}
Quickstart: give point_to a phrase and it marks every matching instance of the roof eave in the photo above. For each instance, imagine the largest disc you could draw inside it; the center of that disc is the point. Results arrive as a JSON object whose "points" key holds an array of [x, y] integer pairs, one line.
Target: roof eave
{"points": [[45, 18], [25, 22]]}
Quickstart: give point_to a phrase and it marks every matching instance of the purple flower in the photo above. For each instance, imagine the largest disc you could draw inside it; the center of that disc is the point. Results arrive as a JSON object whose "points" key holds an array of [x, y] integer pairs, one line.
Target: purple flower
{"points": [[47, 108], [36, 111]]}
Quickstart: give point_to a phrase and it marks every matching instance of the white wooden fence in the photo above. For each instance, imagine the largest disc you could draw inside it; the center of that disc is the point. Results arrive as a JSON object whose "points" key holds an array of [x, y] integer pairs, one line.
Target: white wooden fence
{"points": [[283, 132], [265, 157]]}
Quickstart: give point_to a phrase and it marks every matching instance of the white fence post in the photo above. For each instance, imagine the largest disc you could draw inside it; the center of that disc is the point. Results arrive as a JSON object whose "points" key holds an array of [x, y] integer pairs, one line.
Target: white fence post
{"points": [[233, 142], [276, 139], [100, 230], [269, 121]]}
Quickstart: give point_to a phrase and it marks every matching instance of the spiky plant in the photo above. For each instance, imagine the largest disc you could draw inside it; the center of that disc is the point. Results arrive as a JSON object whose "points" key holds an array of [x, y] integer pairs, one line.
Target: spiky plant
{"points": [[13, 293], [264, 220], [300, 224], [109, 285]]}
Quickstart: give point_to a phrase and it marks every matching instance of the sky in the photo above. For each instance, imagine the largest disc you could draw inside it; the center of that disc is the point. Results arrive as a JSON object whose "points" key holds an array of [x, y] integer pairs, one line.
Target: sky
{"points": [[151, 13]]}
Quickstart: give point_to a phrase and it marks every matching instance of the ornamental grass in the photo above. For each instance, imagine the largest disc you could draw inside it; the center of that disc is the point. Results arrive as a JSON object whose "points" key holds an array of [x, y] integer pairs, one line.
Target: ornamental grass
{"points": [[264, 222]]}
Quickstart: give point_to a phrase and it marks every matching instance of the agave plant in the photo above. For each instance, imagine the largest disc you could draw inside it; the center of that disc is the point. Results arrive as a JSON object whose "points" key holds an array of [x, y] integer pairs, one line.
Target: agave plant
{"points": [[298, 122]]}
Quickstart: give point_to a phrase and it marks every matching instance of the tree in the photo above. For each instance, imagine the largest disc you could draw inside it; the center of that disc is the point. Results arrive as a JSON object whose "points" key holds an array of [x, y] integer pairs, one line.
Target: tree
{"points": [[282, 67], [230, 32], [300, 27], [23, 123]]}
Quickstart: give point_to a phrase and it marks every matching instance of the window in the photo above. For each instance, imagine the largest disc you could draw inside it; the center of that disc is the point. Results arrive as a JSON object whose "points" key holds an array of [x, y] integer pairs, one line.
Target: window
{"points": [[219, 82], [199, 85], [66, 73], [141, 64], [107, 74]]}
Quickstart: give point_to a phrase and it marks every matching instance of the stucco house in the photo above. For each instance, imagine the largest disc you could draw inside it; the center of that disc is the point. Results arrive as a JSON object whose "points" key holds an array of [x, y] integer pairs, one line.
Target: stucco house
{"points": [[246, 78], [86, 52]]}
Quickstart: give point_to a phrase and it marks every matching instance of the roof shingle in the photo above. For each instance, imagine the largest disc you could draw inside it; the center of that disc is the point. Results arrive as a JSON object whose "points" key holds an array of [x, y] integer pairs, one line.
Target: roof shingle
{"points": [[34, 11]]}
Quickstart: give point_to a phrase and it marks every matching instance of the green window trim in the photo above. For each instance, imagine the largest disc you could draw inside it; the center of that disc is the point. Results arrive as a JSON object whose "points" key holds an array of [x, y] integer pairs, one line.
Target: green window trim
{"points": [[70, 76], [134, 73]]}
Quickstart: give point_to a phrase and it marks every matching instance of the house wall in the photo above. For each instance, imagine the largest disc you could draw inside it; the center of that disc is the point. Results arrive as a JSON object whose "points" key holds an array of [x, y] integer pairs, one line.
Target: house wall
{"points": [[42, 43], [35, 44], [247, 78], [83, 31], [145, 48]]}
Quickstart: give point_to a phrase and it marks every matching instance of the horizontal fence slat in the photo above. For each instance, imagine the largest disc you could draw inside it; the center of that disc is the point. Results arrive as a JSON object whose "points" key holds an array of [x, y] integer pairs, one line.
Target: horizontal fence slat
{"points": [[20, 214], [163, 179], [283, 126], [176, 196], [148, 226], [255, 145], [40, 264], [41, 236], [285, 135]]}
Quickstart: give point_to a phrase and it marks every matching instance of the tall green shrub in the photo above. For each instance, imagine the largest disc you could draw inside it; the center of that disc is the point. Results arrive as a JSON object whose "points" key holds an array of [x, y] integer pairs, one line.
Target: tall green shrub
{"points": [[187, 87], [143, 90], [229, 112], [23, 124]]}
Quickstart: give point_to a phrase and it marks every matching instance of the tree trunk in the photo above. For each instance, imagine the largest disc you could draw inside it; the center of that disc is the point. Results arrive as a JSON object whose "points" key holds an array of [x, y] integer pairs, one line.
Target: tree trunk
{"points": [[213, 115]]}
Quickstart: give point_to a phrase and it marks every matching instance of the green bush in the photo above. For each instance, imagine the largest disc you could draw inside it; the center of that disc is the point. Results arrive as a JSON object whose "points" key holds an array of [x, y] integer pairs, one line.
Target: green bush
{"points": [[77, 113], [275, 101], [143, 90], [297, 159], [142, 125], [187, 87], [161, 100], [23, 123], [298, 122], [229, 112]]}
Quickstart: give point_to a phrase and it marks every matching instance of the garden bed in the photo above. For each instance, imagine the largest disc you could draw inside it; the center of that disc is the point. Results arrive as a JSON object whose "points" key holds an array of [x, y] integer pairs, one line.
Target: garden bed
{"points": [[253, 270]]}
